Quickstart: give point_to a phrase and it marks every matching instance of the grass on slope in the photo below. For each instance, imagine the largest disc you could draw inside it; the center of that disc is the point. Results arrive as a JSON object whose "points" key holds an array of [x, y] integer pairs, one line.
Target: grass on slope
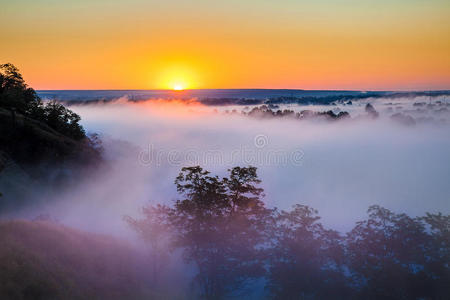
{"points": [[44, 260]]}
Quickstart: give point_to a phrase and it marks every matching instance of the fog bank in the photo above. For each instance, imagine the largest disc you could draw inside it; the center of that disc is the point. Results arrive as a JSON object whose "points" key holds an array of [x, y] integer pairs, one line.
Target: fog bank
{"points": [[339, 168]]}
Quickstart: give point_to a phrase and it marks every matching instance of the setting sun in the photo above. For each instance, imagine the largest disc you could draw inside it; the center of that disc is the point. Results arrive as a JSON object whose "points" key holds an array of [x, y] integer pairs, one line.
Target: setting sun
{"points": [[178, 87], [176, 74]]}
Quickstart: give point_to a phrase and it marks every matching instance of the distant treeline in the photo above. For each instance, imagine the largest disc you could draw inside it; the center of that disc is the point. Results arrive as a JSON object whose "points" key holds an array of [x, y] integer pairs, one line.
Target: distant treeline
{"points": [[223, 227], [221, 101], [309, 100], [268, 112]]}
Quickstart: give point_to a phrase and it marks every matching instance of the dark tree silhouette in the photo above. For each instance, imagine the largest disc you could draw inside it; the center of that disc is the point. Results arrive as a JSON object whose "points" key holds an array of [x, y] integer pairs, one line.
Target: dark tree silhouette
{"points": [[219, 226], [265, 111], [371, 112], [14, 92], [155, 229], [63, 120], [437, 254], [392, 256], [306, 260], [17, 96], [223, 227]]}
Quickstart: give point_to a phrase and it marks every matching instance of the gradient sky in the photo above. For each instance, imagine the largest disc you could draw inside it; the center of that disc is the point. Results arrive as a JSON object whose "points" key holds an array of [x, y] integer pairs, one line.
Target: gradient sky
{"points": [[137, 44]]}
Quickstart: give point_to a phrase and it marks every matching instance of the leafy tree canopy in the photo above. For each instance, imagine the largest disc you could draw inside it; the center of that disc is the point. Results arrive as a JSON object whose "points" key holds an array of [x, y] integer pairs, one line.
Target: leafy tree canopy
{"points": [[17, 96]]}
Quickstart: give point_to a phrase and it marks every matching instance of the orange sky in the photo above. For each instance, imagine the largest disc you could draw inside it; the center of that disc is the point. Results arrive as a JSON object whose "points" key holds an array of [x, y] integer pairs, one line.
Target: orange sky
{"points": [[137, 44]]}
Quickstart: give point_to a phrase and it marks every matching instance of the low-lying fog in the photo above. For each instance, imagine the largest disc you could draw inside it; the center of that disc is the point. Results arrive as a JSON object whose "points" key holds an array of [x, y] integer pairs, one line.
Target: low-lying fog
{"points": [[339, 168]]}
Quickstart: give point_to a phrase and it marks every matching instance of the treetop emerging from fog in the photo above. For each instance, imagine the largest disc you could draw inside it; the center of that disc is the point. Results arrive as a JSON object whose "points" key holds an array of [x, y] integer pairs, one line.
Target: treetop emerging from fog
{"points": [[224, 228]]}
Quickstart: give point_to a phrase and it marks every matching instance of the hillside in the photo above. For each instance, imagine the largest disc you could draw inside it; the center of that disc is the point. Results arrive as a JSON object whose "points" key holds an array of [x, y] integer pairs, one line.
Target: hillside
{"points": [[44, 260], [34, 156], [29, 141]]}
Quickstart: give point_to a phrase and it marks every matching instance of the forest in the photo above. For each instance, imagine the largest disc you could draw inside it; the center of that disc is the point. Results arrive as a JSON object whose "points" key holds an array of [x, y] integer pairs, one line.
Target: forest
{"points": [[223, 227]]}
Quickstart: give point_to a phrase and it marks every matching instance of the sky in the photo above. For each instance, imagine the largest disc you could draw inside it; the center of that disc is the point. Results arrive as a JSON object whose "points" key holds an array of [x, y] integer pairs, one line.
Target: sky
{"points": [[137, 44]]}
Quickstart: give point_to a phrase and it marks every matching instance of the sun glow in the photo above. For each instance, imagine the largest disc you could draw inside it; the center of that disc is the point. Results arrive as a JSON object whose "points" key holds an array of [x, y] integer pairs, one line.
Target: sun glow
{"points": [[178, 87], [177, 76]]}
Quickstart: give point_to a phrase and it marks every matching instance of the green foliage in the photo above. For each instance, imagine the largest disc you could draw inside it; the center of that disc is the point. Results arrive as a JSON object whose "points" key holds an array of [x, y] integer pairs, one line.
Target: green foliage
{"points": [[219, 226], [63, 120], [394, 256], [223, 227], [306, 260], [14, 93], [17, 97]]}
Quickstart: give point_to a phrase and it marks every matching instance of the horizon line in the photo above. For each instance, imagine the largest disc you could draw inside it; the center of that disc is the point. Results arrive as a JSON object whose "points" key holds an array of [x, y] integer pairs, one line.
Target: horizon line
{"points": [[253, 89]]}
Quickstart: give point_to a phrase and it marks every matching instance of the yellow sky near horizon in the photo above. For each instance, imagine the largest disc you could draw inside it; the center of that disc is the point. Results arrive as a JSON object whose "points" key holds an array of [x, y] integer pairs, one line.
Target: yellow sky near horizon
{"points": [[136, 44]]}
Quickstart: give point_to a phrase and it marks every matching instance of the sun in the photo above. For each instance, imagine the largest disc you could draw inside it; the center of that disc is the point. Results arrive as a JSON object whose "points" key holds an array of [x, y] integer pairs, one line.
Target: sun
{"points": [[177, 77], [178, 87]]}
